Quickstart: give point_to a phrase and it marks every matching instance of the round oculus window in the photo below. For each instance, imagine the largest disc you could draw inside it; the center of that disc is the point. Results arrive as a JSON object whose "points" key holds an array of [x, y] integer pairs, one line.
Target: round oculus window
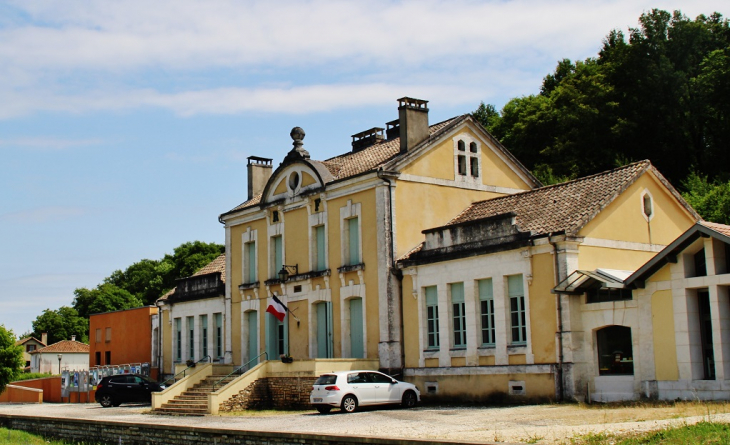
{"points": [[294, 180]]}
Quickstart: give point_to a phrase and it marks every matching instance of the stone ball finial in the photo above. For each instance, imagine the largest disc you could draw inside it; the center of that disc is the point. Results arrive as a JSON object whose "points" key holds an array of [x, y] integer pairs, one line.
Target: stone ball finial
{"points": [[297, 133]]}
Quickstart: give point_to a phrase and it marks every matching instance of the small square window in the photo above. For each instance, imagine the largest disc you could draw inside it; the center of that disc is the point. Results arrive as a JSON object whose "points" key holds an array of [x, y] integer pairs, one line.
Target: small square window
{"points": [[317, 203], [275, 216], [461, 146], [473, 147]]}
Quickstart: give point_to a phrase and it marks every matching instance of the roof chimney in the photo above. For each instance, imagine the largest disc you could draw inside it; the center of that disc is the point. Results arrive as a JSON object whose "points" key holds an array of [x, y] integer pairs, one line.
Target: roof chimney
{"points": [[367, 138], [44, 338], [259, 171], [413, 117], [73, 338]]}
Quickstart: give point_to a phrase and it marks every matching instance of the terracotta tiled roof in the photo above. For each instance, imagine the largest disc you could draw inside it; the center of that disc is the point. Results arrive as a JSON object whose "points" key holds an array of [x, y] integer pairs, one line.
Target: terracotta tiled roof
{"points": [[719, 228], [27, 339], [62, 346], [355, 163], [564, 207], [217, 265], [368, 159]]}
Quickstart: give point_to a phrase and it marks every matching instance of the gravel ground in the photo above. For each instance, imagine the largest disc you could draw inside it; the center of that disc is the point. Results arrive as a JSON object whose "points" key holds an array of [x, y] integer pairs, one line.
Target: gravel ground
{"points": [[551, 424]]}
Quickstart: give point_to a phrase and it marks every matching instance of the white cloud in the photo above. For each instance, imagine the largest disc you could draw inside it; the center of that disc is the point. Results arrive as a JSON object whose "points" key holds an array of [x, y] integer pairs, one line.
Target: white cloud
{"points": [[78, 56]]}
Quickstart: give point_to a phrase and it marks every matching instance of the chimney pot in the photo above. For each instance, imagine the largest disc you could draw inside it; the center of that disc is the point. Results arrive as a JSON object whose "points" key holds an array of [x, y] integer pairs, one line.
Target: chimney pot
{"points": [[73, 338], [259, 171], [413, 118]]}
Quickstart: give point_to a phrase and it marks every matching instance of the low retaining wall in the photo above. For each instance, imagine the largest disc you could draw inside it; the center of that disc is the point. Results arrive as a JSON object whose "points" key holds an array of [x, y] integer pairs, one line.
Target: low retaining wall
{"points": [[21, 394], [139, 434], [272, 392]]}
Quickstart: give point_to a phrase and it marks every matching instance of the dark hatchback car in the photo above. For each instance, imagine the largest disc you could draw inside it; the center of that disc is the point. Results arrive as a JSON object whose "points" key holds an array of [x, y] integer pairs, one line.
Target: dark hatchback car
{"points": [[117, 389]]}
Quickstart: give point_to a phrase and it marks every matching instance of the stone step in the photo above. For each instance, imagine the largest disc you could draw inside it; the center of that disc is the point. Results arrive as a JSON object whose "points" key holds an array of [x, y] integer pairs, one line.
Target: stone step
{"points": [[181, 411], [173, 404]]}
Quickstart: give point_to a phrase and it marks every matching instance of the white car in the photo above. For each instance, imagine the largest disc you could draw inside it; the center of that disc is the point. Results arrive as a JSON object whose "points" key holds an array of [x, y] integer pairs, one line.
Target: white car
{"points": [[350, 389]]}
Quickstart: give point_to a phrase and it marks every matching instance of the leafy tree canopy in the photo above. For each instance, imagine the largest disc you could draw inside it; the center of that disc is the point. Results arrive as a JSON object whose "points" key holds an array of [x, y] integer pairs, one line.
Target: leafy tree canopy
{"points": [[11, 357], [61, 324], [106, 297], [660, 94], [711, 199]]}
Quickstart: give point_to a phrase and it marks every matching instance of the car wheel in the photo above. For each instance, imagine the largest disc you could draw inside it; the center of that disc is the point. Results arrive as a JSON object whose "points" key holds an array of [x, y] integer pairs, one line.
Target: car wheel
{"points": [[349, 404], [324, 409], [409, 399], [106, 401]]}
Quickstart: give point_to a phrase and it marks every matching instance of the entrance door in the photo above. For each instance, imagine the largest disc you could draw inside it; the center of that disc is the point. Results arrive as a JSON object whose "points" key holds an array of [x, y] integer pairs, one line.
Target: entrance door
{"points": [[253, 336], [277, 341], [356, 332], [324, 330]]}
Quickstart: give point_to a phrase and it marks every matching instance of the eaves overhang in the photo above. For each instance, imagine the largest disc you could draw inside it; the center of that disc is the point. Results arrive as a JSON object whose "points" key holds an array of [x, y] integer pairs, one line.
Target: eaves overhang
{"points": [[670, 253]]}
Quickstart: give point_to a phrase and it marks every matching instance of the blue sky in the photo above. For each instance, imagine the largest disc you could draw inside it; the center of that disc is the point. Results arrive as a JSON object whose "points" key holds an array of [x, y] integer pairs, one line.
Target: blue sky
{"points": [[125, 125]]}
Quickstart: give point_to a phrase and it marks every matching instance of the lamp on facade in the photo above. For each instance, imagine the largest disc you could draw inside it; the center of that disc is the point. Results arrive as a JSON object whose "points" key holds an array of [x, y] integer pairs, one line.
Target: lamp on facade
{"points": [[60, 356], [288, 270]]}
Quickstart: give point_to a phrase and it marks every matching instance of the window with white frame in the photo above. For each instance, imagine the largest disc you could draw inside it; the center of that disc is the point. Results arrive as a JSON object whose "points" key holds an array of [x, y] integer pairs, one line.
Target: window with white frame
{"points": [[432, 318], [458, 315], [204, 335], [467, 162], [277, 256], [320, 260], [191, 338], [486, 311], [518, 316], [178, 340], [647, 205], [218, 335], [249, 255]]}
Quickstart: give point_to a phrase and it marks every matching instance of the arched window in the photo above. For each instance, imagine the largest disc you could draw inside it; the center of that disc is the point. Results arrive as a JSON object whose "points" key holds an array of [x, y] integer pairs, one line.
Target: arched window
{"points": [[615, 353]]}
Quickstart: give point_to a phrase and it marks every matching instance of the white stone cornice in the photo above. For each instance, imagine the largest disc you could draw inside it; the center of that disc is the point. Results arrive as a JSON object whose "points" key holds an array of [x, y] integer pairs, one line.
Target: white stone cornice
{"points": [[623, 245], [462, 185]]}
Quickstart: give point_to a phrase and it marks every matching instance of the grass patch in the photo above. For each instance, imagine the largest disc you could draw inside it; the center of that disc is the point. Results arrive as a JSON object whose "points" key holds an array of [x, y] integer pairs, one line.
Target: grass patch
{"points": [[31, 375], [649, 410], [17, 437], [699, 433]]}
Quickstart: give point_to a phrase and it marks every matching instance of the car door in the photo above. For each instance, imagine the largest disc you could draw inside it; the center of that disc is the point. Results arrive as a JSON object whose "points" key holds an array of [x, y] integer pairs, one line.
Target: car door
{"points": [[119, 388], [385, 390], [135, 389], [362, 386]]}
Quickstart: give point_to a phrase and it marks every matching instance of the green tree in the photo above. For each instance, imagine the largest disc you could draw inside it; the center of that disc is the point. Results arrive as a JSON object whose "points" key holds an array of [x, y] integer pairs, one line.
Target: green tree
{"points": [[11, 357], [61, 324], [711, 199], [659, 93], [106, 297]]}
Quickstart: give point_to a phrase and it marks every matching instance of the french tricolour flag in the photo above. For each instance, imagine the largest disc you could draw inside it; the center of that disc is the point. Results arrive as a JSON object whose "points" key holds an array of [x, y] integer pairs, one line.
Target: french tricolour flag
{"points": [[276, 308]]}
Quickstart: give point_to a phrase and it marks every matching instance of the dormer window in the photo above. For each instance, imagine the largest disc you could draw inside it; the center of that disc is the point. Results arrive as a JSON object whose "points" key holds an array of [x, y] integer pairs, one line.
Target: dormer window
{"points": [[462, 165], [462, 146], [473, 147]]}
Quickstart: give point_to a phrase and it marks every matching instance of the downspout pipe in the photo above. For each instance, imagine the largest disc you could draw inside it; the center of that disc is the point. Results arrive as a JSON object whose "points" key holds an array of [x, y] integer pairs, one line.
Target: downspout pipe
{"points": [[556, 280], [382, 174]]}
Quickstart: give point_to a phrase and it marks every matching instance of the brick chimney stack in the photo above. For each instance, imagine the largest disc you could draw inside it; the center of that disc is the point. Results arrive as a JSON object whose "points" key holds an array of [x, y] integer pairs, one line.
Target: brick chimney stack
{"points": [[259, 171], [44, 338], [413, 117]]}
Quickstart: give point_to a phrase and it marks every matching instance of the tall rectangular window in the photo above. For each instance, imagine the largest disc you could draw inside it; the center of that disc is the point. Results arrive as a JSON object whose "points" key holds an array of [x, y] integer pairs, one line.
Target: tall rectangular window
{"points": [[432, 317], [97, 358], [108, 335], [98, 335], [353, 241], [178, 340], [486, 306], [108, 357], [459, 314], [191, 338], [204, 335], [218, 335], [250, 256], [321, 263], [277, 246], [517, 309]]}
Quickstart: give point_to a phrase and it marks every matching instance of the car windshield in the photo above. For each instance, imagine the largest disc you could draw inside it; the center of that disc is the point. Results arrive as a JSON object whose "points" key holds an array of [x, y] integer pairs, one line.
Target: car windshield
{"points": [[327, 379]]}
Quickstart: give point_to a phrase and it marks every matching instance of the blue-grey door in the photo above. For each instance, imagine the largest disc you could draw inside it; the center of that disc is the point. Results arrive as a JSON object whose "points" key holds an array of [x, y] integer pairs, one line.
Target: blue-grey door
{"points": [[356, 325], [324, 330]]}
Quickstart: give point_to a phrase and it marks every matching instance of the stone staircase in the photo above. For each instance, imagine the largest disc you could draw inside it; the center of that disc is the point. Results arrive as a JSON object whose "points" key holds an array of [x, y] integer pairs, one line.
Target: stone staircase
{"points": [[194, 401]]}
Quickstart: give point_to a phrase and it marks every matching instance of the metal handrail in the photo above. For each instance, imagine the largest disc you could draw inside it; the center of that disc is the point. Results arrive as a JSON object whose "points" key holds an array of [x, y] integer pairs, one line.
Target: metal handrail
{"points": [[174, 378], [240, 368]]}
